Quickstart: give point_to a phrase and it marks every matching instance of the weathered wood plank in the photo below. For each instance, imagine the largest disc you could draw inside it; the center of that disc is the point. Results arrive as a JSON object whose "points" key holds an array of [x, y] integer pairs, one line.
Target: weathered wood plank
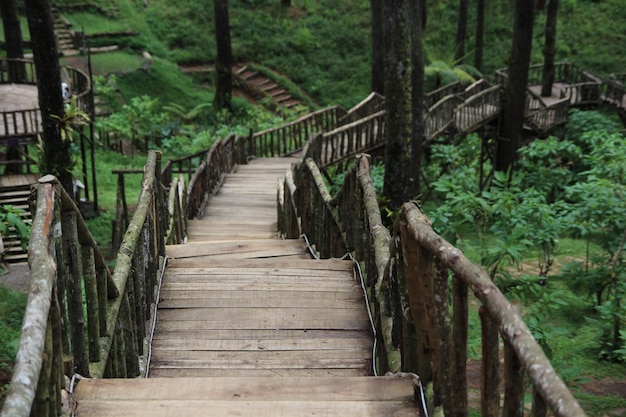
{"points": [[243, 248], [252, 373], [224, 299], [253, 389], [268, 263], [257, 408]]}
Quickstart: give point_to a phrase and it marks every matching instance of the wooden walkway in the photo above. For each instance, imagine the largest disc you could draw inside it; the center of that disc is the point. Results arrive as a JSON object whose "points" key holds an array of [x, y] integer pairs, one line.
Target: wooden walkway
{"points": [[249, 324]]}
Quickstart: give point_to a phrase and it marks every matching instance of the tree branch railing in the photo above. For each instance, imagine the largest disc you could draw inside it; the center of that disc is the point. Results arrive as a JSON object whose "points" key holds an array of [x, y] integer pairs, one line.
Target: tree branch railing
{"points": [[371, 104], [104, 337], [418, 287], [291, 137], [17, 71], [543, 117], [342, 143], [614, 91], [221, 159], [437, 95], [184, 165], [440, 116], [482, 105]]}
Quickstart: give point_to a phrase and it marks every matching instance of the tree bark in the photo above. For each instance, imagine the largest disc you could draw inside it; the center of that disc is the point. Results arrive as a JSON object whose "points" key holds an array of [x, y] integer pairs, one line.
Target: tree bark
{"points": [[398, 101], [417, 12], [514, 98], [378, 46], [56, 158], [480, 35], [285, 3], [13, 39], [224, 62], [549, 49], [461, 31]]}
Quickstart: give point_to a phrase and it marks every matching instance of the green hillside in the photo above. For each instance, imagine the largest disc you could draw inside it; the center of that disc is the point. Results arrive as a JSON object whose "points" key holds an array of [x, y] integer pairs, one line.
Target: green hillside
{"points": [[324, 45]]}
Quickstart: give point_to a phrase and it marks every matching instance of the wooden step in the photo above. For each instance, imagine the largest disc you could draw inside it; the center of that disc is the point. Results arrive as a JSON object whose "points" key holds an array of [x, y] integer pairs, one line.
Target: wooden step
{"points": [[253, 396]]}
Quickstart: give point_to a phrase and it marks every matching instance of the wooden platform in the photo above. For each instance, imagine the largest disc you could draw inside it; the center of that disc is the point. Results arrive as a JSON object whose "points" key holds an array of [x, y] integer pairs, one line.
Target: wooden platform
{"points": [[250, 325]]}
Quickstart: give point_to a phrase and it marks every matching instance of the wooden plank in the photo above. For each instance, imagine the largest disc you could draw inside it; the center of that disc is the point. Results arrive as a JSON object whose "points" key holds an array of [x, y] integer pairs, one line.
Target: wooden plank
{"points": [[181, 275], [268, 334], [253, 389], [244, 248], [223, 299], [252, 373], [162, 408], [265, 358], [268, 263], [272, 318], [263, 286], [278, 321]]}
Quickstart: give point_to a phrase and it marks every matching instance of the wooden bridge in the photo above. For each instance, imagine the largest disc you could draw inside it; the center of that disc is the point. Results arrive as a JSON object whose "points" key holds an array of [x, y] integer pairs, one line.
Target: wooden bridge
{"points": [[246, 289]]}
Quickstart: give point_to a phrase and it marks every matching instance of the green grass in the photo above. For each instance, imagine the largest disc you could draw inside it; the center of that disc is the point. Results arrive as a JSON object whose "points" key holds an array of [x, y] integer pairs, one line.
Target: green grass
{"points": [[96, 23]]}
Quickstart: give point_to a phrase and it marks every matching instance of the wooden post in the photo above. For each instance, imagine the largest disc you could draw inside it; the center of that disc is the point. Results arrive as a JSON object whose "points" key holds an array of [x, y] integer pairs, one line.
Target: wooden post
{"points": [[440, 338], [131, 354], [93, 309], [490, 375], [459, 336], [513, 383], [74, 293]]}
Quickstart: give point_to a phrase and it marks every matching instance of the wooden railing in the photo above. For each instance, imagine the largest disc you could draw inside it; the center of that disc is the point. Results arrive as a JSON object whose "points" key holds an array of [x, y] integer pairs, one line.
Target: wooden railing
{"points": [[17, 71], [221, 159], [440, 116], [344, 142], [481, 105], [542, 117], [368, 106], [106, 333], [184, 165], [437, 95], [614, 91], [421, 320], [291, 137], [25, 124]]}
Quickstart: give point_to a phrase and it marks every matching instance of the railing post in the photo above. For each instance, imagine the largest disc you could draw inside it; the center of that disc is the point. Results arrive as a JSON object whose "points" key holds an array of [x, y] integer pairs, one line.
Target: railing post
{"points": [[74, 293], [92, 301], [490, 369]]}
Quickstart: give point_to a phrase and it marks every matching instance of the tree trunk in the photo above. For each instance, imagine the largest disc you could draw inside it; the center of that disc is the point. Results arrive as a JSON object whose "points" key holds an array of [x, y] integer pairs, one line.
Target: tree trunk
{"points": [[285, 3], [13, 39], [378, 47], [397, 100], [461, 32], [417, 10], [514, 98], [224, 62], [549, 49], [56, 158], [480, 35]]}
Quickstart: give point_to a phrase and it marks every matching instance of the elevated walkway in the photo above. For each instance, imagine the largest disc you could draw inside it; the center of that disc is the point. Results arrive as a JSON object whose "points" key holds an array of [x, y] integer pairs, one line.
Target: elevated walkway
{"points": [[249, 324]]}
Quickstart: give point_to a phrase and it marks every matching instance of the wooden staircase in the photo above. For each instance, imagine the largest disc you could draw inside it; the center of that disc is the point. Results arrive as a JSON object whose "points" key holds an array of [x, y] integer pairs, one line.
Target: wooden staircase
{"points": [[251, 325], [15, 192]]}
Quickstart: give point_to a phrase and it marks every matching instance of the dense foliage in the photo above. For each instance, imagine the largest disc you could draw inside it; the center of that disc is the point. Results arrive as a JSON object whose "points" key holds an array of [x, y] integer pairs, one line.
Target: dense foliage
{"points": [[568, 187]]}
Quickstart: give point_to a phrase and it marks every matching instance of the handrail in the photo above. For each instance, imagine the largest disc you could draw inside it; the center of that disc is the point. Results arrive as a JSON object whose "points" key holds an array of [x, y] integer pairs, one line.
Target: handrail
{"points": [[371, 104], [342, 143], [440, 116], [478, 108], [291, 137], [406, 275], [437, 95], [107, 341], [222, 158], [541, 116]]}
